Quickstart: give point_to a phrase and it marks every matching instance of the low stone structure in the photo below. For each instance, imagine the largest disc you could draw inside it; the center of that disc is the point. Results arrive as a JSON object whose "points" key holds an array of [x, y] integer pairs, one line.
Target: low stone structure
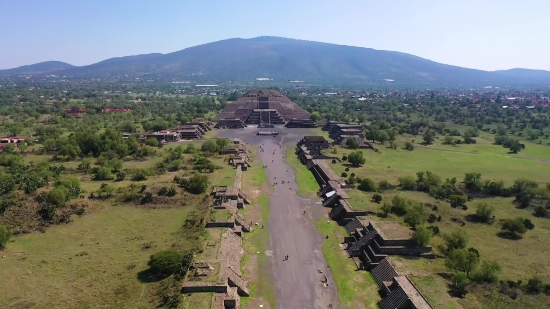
{"points": [[398, 291], [230, 123], [301, 123], [372, 242], [223, 276], [329, 125], [268, 133]]}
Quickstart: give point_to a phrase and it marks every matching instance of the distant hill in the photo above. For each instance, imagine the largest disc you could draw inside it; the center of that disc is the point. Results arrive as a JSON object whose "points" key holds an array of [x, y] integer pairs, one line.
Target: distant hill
{"points": [[42, 67], [287, 59]]}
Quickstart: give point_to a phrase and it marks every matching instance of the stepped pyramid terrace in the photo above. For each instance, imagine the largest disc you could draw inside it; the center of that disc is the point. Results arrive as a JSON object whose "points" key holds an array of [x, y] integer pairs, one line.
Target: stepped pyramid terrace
{"points": [[264, 108]]}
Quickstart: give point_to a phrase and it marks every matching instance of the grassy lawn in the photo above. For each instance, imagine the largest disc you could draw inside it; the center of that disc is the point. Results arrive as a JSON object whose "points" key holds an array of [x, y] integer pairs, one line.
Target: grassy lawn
{"points": [[307, 185], [255, 263], [89, 263], [391, 164], [361, 290]]}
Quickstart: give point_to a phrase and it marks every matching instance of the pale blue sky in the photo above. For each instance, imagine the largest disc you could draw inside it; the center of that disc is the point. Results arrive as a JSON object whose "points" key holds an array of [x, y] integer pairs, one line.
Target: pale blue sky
{"points": [[481, 34]]}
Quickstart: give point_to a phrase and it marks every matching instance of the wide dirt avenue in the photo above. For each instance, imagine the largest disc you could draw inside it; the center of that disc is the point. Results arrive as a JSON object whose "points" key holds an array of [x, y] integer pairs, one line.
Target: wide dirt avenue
{"points": [[299, 280]]}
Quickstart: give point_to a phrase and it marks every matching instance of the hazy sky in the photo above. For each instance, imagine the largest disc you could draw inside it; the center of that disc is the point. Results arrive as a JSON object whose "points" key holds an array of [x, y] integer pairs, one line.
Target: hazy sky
{"points": [[481, 34]]}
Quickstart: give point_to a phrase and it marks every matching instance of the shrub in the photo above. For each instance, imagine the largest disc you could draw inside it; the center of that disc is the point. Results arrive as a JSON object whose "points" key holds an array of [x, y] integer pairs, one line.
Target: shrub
{"points": [[422, 235], [458, 200], [5, 236], [367, 185], [356, 158], [459, 283], [528, 224], [384, 185], [416, 216], [540, 211], [165, 263], [344, 174], [120, 176], [377, 198], [484, 212], [344, 158], [514, 227], [347, 169], [399, 205], [147, 198], [534, 286], [457, 239], [103, 173], [140, 175], [196, 184], [385, 210], [407, 183], [487, 272], [409, 146]]}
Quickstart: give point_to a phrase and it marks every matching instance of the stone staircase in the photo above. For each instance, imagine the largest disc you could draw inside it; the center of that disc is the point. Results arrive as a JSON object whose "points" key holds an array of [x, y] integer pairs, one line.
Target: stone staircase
{"points": [[236, 280], [353, 225], [244, 197], [242, 223], [358, 246]]}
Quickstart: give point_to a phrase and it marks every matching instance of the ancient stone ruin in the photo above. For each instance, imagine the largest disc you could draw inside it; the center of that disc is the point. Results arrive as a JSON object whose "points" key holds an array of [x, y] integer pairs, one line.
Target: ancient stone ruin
{"points": [[222, 275], [264, 108], [370, 243]]}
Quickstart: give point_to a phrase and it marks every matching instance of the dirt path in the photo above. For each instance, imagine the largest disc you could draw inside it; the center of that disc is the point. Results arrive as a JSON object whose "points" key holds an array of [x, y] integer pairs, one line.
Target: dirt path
{"points": [[298, 282]]}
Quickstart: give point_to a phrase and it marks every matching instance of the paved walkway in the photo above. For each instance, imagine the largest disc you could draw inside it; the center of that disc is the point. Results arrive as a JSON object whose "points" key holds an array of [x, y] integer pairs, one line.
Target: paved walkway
{"points": [[298, 282]]}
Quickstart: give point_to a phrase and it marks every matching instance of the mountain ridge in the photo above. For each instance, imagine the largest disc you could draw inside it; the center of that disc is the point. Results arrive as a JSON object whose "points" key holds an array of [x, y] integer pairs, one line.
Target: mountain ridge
{"points": [[285, 59]]}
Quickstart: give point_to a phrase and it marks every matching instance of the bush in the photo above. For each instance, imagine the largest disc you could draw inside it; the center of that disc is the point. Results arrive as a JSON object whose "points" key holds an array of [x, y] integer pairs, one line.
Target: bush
{"points": [[385, 210], [487, 272], [534, 286], [356, 158], [344, 174], [103, 173], [458, 200], [416, 216], [5, 236], [353, 143], [140, 175], [344, 158], [528, 224], [407, 183], [399, 205], [210, 147], [384, 185], [367, 185], [196, 184], [165, 263], [459, 282], [151, 141], [409, 146], [540, 212], [484, 212], [377, 198], [120, 176], [457, 239], [147, 198], [514, 227], [422, 235]]}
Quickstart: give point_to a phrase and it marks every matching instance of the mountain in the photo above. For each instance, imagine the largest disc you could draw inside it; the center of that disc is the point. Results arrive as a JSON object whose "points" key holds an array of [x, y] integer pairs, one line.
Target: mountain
{"points": [[42, 67], [287, 59]]}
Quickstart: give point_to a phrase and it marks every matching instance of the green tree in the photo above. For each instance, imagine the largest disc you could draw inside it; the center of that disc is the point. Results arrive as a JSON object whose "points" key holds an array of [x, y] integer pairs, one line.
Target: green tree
{"points": [[407, 183], [400, 206], [9, 148], [488, 272], [196, 184], [484, 212], [5, 236], [416, 216], [14, 128], [385, 209], [457, 239], [428, 137], [58, 196], [459, 283], [361, 118], [463, 260], [367, 185], [353, 143], [315, 116], [422, 235], [383, 136], [409, 146], [356, 158], [457, 200], [165, 263], [103, 173], [514, 227], [151, 141], [210, 147], [448, 140], [222, 142]]}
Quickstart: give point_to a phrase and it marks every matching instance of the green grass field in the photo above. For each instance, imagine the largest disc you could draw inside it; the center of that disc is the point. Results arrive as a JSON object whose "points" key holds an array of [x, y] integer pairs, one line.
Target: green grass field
{"points": [[307, 185], [91, 262]]}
